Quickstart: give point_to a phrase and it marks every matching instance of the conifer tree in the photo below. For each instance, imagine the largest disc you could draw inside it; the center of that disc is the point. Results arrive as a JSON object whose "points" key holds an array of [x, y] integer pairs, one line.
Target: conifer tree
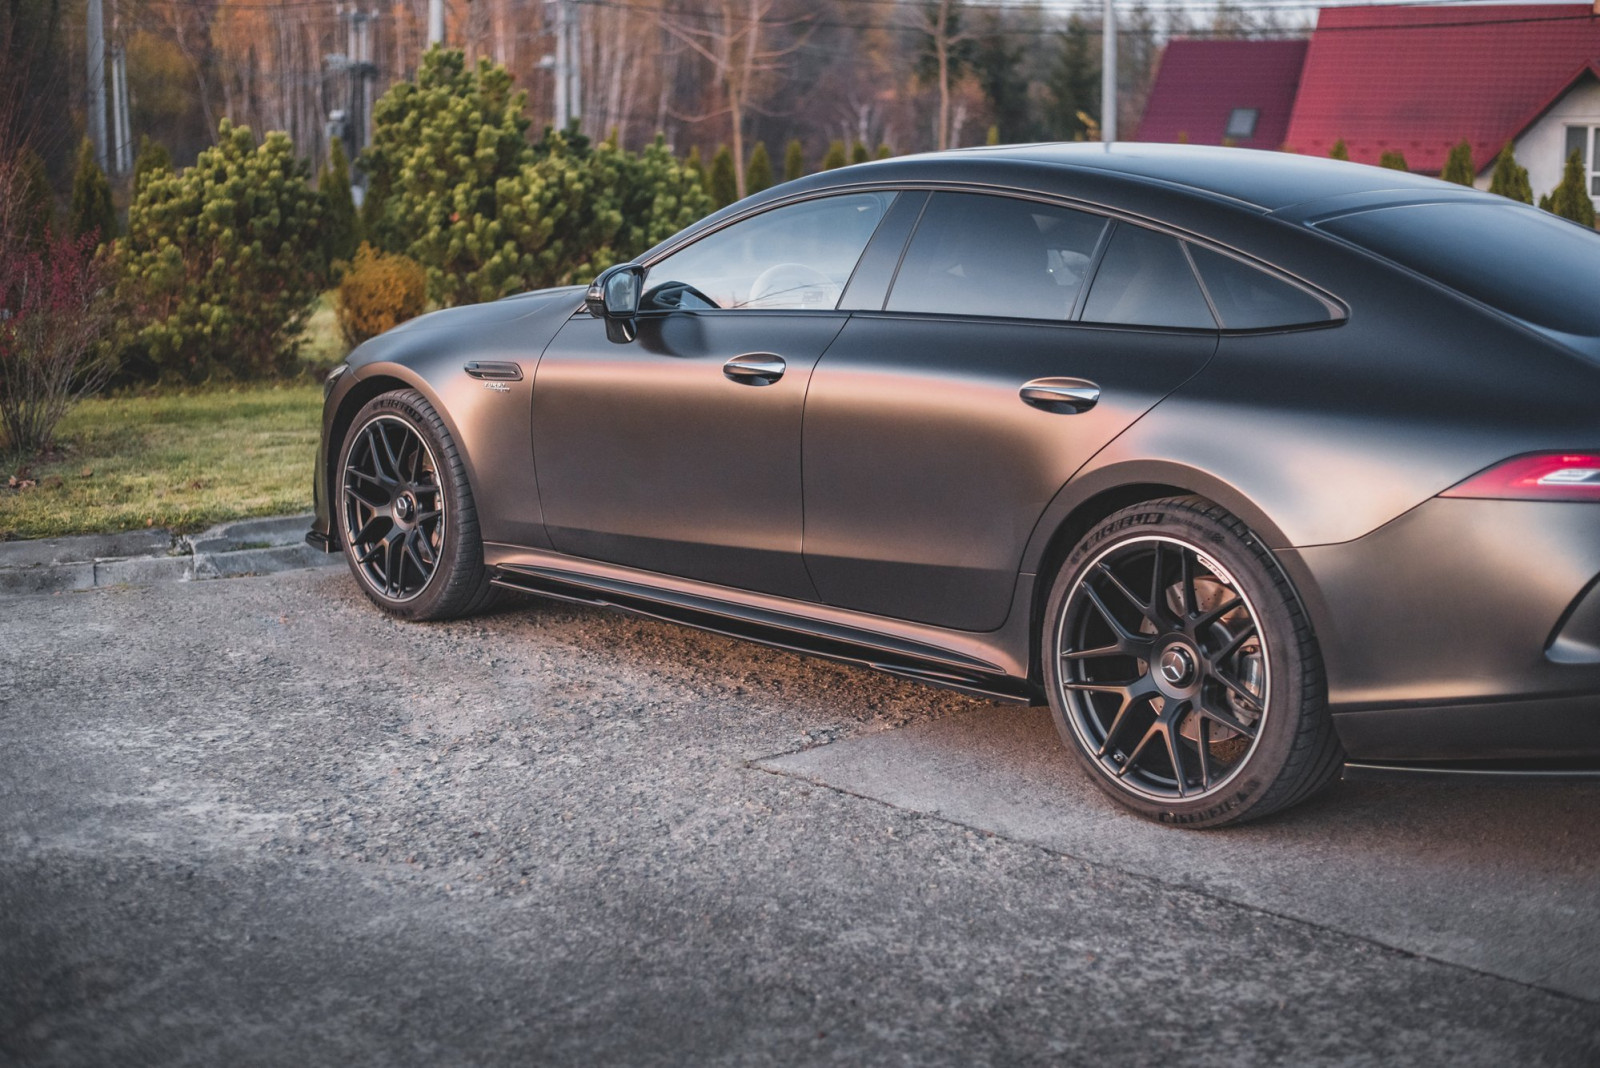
{"points": [[835, 157], [340, 224], [724, 185], [1458, 168], [696, 166], [1339, 151], [1395, 161], [884, 152], [993, 137], [758, 175], [92, 212], [794, 161], [859, 153], [152, 157], [1570, 199], [1510, 178]]}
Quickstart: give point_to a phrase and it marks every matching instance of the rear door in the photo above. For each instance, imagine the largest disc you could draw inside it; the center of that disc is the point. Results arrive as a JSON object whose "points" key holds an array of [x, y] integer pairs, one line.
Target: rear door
{"points": [[938, 428]]}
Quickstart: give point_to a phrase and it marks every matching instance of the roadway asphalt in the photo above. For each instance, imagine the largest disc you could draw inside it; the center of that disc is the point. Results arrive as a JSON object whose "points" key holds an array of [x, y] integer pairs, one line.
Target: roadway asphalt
{"points": [[253, 821]]}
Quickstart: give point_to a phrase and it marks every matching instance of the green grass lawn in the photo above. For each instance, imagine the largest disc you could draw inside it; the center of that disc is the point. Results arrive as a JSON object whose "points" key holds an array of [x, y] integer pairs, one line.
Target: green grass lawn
{"points": [[180, 460]]}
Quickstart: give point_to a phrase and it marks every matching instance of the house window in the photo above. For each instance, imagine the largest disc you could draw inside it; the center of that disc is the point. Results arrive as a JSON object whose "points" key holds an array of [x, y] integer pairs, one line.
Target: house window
{"points": [[1242, 122], [1585, 141]]}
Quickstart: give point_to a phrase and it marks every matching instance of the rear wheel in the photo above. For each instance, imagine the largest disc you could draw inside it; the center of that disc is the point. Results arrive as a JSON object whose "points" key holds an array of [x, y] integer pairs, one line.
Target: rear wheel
{"points": [[1182, 670], [406, 514]]}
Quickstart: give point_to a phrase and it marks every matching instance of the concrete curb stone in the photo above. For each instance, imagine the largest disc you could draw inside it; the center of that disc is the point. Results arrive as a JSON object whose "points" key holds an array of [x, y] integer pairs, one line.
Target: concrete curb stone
{"points": [[145, 557]]}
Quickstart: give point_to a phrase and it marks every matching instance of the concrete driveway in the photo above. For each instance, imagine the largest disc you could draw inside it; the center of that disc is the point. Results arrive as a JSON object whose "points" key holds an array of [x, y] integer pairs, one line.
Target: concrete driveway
{"points": [[253, 821]]}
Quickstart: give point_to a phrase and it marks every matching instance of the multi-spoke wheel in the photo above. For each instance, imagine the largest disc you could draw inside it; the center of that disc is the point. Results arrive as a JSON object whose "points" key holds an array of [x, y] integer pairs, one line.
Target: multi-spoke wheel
{"points": [[393, 507], [1182, 670], [406, 516]]}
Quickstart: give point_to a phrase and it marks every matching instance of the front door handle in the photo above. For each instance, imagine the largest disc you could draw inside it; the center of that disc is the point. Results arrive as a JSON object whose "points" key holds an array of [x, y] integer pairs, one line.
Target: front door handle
{"points": [[1061, 395], [754, 368]]}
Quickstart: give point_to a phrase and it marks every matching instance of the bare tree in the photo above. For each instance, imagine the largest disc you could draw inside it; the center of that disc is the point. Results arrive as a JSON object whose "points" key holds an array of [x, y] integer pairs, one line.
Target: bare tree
{"points": [[728, 35], [941, 21]]}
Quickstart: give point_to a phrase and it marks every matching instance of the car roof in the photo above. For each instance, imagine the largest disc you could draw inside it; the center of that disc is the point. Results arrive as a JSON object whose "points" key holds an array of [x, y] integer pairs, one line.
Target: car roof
{"points": [[1267, 181]]}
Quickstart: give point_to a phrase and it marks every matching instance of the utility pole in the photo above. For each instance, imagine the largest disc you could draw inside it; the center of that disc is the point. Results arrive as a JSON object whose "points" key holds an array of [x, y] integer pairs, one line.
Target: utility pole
{"points": [[563, 105], [566, 66], [435, 22], [121, 135], [1108, 76], [96, 72]]}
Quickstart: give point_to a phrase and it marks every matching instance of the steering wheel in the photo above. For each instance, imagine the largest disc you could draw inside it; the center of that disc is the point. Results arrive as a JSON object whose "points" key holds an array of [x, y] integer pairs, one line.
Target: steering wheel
{"points": [[793, 285], [675, 296]]}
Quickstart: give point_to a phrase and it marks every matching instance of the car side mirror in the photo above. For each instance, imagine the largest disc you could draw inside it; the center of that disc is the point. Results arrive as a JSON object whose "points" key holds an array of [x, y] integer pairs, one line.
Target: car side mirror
{"points": [[614, 297]]}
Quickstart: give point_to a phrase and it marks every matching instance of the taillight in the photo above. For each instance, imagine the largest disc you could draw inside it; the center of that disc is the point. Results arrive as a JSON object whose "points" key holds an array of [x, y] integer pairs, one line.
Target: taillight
{"points": [[1545, 476]]}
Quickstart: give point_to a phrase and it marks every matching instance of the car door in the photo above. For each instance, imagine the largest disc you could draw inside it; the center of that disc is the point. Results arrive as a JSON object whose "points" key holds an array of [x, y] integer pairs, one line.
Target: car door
{"points": [[938, 428], [679, 452]]}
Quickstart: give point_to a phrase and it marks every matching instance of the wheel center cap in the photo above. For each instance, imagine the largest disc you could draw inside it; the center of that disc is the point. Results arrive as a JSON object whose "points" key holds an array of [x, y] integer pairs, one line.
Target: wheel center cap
{"points": [[404, 507], [1176, 666]]}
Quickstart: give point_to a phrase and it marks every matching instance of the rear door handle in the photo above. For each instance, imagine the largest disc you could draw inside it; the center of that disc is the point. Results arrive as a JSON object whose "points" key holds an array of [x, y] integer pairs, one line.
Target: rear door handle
{"points": [[1064, 396], [754, 368]]}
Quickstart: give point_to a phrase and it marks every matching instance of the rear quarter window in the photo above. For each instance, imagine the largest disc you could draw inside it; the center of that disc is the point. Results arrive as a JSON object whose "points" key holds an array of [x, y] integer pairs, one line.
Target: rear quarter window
{"points": [[1523, 261]]}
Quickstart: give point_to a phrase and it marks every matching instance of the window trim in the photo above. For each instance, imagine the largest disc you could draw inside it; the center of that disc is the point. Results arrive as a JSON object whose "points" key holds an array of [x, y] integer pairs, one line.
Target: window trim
{"points": [[1338, 311]]}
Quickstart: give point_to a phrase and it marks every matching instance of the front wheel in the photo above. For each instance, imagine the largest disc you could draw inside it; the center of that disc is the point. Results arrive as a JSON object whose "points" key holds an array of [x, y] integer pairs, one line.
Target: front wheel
{"points": [[406, 515], [1182, 671]]}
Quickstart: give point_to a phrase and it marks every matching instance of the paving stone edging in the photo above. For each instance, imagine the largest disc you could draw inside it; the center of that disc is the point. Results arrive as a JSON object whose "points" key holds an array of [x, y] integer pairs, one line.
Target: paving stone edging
{"points": [[145, 557]]}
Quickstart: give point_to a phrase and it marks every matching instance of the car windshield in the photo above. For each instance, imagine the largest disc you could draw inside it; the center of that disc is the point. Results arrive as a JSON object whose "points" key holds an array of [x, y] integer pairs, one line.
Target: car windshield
{"points": [[1526, 262]]}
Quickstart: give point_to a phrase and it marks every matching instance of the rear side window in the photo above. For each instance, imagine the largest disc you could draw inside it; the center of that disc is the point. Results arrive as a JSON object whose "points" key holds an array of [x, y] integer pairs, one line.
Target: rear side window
{"points": [[1250, 299], [1526, 262], [1145, 280], [982, 255]]}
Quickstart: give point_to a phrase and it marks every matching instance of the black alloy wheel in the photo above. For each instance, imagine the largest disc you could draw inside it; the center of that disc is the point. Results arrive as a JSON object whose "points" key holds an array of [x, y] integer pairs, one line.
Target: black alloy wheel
{"points": [[393, 508], [1182, 671], [1166, 668], [406, 516]]}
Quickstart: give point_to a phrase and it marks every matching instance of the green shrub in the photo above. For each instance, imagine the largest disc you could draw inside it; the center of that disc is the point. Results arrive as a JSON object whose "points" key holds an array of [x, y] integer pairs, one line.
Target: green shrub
{"points": [[758, 175], [341, 226], [223, 261], [92, 212], [1458, 168], [446, 154], [1510, 178], [1394, 161], [859, 153], [1570, 199], [835, 157], [380, 291], [153, 157], [794, 161], [724, 186], [1339, 151]]}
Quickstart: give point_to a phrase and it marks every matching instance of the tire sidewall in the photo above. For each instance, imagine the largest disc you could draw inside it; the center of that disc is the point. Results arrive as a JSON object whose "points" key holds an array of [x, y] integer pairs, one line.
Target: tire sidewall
{"points": [[1247, 562], [408, 406]]}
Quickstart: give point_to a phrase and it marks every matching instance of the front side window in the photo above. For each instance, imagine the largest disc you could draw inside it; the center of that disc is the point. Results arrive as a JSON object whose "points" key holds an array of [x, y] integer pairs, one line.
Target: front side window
{"points": [[795, 257], [996, 256], [1145, 280]]}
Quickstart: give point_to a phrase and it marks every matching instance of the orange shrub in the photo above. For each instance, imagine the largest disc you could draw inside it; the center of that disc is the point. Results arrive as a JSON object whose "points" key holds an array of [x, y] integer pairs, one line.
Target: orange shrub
{"points": [[380, 291]]}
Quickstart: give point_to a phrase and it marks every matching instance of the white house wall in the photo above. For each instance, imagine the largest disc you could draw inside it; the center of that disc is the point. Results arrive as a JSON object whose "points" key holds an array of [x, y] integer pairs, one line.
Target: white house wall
{"points": [[1542, 146]]}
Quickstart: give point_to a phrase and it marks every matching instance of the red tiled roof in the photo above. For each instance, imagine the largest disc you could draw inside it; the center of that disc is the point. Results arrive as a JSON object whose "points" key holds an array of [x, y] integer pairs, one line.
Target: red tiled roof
{"points": [[1417, 80], [1200, 82]]}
